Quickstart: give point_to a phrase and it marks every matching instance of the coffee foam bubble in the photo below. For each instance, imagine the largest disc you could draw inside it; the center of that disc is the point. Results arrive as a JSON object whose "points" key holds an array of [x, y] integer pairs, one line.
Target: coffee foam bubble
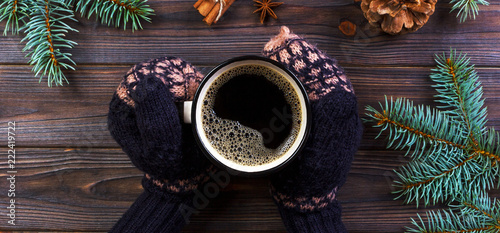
{"points": [[241, 144]]}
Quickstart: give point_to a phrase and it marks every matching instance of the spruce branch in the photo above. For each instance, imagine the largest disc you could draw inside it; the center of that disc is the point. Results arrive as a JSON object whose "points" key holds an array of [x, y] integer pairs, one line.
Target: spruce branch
{"points": [[467, 8], [15, 13], [440, 180], [45, 32], [477, 214], [443, 161], [116, 12], [455, 157], [450, 222], [42, 21], [460, 92], [418, 128]]}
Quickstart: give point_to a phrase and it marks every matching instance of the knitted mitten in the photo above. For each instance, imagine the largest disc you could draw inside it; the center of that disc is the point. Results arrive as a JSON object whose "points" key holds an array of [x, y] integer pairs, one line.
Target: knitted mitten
{"points": [[143, 119], [306, 190]]}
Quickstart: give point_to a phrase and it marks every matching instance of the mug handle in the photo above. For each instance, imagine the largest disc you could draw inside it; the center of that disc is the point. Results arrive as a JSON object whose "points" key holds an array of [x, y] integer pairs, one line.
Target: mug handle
{"points": [[184, 109]]}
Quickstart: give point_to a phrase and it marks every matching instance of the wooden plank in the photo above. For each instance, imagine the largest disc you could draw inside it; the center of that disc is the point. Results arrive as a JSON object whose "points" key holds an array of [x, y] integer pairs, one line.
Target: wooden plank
{"points": [[75, 116], [88, 190], [178, 30]]}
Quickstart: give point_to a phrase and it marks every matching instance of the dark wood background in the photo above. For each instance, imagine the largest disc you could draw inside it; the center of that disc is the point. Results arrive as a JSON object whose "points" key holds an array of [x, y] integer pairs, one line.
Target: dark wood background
{"points": [[72, 176]]}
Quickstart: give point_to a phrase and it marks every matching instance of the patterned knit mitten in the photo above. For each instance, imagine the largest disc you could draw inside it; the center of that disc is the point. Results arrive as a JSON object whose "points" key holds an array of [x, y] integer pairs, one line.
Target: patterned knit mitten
{"points": [[144, 121], [306, 190]]}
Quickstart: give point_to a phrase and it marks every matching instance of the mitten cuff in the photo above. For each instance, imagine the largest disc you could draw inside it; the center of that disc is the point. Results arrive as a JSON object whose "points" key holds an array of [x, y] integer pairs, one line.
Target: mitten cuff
{"points": [[325, 220], [311, 213], [164, 206], [152, 212]]}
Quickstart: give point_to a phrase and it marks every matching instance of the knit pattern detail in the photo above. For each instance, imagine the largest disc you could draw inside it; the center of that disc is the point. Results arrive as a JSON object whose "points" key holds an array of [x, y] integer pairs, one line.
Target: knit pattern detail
{"points": [[303, 203], [319, 73], [181, 185], [179, 76], [326, 220]]}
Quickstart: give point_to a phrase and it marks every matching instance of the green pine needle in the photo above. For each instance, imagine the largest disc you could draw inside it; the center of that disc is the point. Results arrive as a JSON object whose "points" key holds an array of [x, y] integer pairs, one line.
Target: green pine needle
{"points": [[44, 38], [472, 214], [460, 92], [467, 8], [43, 21], [449, 221], [443, 161], [453, 153], [418, 128], [14, 12], [116, 12]]}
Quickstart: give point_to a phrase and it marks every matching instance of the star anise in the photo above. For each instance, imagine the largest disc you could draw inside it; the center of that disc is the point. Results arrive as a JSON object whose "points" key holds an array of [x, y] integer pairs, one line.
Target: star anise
{"points": [[265, 8]]}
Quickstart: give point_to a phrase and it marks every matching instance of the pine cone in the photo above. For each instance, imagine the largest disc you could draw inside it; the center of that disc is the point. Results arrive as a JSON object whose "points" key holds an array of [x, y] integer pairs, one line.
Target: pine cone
{"points": [[398, 16]]}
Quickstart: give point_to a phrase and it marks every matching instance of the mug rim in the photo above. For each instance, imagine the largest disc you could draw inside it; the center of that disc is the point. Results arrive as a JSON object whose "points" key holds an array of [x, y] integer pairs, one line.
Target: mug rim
{"points": [[213, 158]]}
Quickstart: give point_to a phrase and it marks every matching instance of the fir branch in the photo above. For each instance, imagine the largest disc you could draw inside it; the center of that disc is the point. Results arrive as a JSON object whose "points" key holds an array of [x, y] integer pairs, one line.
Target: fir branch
{"points": [[43, 23], [460, 92], [467, 8], [489, 144], [455, 156], [424, 132], [481, 204], [45, 34], [116, 12], [472, 214], [451, 222], [444, 163], [442, 179], [15, 12]]}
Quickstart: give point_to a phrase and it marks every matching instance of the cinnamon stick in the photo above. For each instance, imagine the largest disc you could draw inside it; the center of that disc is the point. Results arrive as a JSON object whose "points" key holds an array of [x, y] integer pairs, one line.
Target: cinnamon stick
{"points": [[205, 7], [211, 10]]}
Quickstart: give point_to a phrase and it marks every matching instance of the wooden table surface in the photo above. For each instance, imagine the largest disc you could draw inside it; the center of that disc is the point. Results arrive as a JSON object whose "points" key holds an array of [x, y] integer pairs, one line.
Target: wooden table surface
{"points": [[72, 176]]}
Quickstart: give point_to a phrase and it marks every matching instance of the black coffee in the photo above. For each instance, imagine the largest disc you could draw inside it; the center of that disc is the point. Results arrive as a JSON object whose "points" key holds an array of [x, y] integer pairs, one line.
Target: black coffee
{"points": [[256, 102], [251, 115]]}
